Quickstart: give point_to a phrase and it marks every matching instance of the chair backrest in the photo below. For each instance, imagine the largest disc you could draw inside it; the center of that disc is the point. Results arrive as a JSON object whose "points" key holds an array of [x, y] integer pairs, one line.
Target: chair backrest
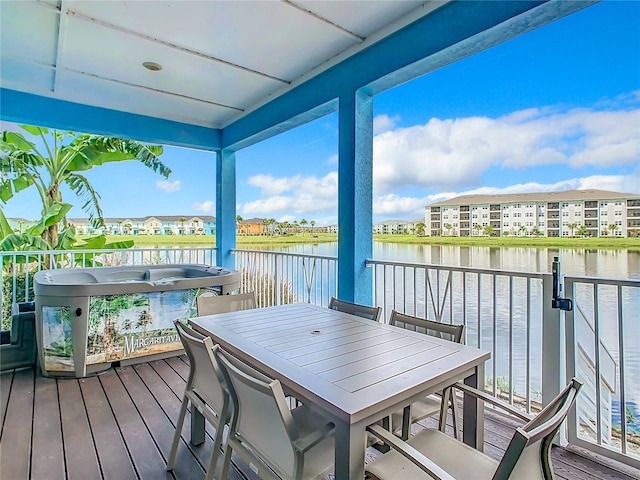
{"points": [[209, 303], [529, 452], [205, 375], [453, 333], [371, 313], [262, 419]]}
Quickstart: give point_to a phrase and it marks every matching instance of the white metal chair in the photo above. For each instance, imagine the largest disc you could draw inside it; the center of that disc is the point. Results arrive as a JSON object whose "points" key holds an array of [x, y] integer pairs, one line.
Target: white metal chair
{"points": [[371, 313], [277, 442], [430, 405], [204, 390], [208, 303], [432, 454]]}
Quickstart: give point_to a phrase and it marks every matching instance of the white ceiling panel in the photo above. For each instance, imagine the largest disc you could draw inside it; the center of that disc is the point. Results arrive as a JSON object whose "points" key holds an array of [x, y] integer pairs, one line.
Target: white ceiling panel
{"points": [[119, 57], [102, 93], [26, 77], [29, 33], [361, 18]]}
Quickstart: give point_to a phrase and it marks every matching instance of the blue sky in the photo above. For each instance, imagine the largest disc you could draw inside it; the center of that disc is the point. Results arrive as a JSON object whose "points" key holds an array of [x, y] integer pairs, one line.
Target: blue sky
{"points": [[555, 109]]}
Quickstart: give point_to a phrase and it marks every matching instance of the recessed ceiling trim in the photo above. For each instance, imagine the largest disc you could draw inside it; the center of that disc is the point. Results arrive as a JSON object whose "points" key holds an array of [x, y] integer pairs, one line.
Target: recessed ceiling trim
{"points": [[151, 89], [63, 21], [323, 19], [190, 51]]}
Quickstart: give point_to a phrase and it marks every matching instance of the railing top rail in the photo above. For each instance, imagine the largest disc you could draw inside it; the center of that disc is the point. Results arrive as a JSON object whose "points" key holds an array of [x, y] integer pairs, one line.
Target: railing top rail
{"points": [[623, 282], [285, 254], [97, 250], [487, 271]]}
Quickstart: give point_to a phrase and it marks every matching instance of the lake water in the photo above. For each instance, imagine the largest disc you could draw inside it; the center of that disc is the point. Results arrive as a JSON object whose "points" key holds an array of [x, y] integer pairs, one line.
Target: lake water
{"points": [[615, 264]]}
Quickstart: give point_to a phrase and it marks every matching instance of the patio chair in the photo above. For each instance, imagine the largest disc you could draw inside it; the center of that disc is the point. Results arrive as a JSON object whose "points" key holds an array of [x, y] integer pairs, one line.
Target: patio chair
{"points": [[208, 303], [277, 442], [432, 454], [371, 313], [430, 405], [204, 390]]}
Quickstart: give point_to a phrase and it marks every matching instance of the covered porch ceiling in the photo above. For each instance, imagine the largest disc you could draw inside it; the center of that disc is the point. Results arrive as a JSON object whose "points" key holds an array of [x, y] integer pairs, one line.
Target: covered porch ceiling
{"points": [[230, 70]]}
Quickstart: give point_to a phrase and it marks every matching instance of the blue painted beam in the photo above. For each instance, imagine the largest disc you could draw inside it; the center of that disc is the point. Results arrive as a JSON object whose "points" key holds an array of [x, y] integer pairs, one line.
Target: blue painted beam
{"points": [[20, 107], [225, 208], [450, 33], [355, 201]]}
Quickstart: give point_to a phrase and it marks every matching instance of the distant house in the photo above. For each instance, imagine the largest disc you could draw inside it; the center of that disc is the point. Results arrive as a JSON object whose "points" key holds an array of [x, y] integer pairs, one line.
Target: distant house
{"points": [[149, 225], [252, 226], [393, 227]]}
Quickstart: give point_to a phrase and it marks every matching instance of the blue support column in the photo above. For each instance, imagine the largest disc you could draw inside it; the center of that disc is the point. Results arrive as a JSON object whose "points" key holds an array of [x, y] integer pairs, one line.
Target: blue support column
{"points": [[225, 208], [355, 182]]}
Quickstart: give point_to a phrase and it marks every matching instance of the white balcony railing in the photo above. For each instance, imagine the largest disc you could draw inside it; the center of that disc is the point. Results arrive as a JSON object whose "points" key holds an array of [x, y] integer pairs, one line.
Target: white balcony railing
{"points": [[505, 312]]}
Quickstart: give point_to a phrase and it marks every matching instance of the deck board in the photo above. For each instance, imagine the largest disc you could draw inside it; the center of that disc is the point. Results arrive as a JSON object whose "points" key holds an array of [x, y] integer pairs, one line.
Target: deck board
{"points": [[48, 456], [144, 452], [81, 458], [16, 428], [112, 451], [120, 424]]}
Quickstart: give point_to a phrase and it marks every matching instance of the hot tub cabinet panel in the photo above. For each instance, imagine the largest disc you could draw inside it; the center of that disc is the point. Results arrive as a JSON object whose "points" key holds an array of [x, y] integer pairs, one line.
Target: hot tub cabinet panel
{"points": [[86, 319]]}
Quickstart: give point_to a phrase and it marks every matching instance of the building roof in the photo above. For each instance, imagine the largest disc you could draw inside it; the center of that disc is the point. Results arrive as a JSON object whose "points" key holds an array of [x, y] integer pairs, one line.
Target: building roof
{"points": [[566, 195], [165, 218]]}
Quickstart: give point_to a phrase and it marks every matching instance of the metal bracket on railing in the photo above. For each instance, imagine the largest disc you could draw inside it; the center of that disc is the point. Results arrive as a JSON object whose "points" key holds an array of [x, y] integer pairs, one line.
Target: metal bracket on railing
{"points": [[557, 301]]}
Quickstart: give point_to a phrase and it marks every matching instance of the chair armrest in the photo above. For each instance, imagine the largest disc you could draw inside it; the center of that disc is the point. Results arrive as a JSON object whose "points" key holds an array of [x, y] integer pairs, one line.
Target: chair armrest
{"points": [[315, 437], [410, 453], [493, 400]]}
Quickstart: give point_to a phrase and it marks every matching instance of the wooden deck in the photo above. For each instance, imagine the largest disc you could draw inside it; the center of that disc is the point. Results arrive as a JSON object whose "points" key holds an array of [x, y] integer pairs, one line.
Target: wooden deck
{"points": [[119, 425]]}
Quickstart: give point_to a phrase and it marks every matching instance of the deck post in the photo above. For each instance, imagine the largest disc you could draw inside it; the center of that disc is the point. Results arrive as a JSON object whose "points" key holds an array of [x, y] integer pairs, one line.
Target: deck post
{"points": [[553, 338], [225, 208], [355, 180]]}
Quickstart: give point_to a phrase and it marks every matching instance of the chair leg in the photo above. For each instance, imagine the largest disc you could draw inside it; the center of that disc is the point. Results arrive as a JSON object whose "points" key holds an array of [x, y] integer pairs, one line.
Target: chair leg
{"points": [[176, 436], [222, 420], [454, 412], [226, 461], [449, 401]]}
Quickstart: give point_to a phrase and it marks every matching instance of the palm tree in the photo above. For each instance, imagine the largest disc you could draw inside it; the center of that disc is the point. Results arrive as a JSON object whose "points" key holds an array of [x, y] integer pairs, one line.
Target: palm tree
{"points": [[303, 223], [613, 227], [572, 227], [522, 230], [239, 221], [477, 227], [23, 165], [313, 224], [448, 228], [182, 220]]}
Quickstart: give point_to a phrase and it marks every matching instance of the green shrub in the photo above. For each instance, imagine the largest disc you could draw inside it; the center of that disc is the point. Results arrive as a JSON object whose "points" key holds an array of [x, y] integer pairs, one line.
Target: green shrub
{"points": [[7, 295]]}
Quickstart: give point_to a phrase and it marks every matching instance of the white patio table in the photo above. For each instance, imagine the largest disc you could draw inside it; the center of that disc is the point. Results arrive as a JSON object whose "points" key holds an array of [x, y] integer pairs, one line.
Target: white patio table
{"points": [[353, 370]]}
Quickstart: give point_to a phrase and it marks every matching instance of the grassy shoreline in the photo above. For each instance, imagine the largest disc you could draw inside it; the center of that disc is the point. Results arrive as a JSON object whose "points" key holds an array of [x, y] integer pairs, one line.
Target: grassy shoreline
{"points": [[604, 243]]}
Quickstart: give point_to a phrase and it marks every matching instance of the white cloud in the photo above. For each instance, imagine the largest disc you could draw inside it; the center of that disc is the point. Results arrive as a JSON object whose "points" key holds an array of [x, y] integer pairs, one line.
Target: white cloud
{"points": [[454, 154], [383, 123], [168, 186], [297, 195], [393, 206], [207, 206]]}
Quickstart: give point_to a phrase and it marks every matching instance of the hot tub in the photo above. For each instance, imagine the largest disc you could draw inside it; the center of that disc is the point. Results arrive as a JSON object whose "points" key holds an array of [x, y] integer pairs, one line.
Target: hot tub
{"points": [[89, 318]]}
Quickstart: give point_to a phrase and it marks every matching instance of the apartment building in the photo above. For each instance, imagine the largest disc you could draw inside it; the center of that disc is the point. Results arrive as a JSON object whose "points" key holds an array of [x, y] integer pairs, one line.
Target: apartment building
{"points": [[593, 213], [150, 225]]}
